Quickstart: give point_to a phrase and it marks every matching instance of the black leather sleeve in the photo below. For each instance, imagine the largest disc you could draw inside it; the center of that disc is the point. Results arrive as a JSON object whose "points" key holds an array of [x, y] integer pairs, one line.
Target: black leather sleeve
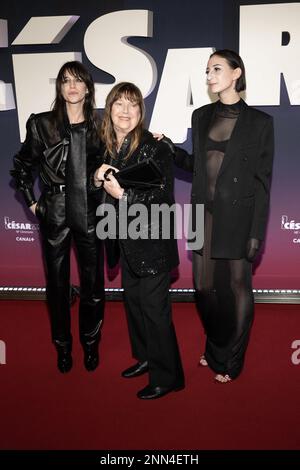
{"points": [[27, 160]]}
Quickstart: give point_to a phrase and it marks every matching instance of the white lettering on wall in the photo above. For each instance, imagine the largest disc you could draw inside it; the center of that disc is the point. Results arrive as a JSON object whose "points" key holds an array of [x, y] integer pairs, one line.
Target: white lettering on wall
{"points": [[6, 92], [106, 46], [45, 30], [182, 89], [261, 30], [36, 91], [182, 86]]}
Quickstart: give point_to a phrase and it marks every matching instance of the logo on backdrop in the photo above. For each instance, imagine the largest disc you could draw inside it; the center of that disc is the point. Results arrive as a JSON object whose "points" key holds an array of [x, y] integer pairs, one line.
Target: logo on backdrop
{"points": [[2, 352], [24, 231], [292, 225]]}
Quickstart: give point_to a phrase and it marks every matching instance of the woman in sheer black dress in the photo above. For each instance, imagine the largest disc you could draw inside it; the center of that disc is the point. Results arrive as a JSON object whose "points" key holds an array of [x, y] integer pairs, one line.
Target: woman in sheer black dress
{"points": [[231, 164]]}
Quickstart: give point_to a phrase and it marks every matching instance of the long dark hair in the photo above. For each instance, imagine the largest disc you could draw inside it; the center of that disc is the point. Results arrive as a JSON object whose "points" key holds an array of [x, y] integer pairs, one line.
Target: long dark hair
{"points": [[108, 136], [234, 61], [76, 69]]}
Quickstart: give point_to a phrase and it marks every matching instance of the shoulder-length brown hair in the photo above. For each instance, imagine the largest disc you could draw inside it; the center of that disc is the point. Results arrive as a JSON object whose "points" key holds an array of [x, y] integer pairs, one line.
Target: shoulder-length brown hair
{"points": [[78, 70], [108, 135]]}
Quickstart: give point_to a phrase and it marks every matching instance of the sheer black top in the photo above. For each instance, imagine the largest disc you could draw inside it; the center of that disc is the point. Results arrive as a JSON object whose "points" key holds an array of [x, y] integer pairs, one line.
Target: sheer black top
{"points": [[218, 137]]}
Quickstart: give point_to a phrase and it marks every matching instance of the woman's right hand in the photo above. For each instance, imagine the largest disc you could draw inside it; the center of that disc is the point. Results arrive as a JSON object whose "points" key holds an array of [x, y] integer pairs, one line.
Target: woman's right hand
{"points": [[99, 174], [169, 143]]}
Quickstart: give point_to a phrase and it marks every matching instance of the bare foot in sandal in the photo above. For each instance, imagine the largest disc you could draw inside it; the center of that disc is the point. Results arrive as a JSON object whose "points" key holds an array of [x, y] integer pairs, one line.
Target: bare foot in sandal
{"points": [[223, 379], [203, 362]]}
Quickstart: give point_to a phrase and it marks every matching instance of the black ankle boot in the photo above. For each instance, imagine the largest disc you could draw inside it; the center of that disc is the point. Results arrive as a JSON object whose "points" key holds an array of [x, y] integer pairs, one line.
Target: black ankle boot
{"points": [[91, 356], [64, 357]]}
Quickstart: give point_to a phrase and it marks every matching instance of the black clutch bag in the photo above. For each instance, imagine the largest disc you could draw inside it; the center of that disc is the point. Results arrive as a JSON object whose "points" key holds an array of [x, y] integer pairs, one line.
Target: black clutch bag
{"points": [[145, 174]]}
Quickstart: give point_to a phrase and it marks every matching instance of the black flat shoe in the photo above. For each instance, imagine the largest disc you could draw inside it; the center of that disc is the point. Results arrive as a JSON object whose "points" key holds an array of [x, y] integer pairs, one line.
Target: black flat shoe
{"points": [[91, 356], [134, 371], [151, 393]]}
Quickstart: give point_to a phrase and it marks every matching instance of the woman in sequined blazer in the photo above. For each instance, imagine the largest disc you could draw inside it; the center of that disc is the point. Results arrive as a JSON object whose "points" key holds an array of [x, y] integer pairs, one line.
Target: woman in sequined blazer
{"points": [[146, 262]]}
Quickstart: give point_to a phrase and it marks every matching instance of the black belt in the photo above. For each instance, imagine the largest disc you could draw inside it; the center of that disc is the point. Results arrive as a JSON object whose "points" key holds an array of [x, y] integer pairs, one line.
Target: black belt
{"points": [[57, 188]]}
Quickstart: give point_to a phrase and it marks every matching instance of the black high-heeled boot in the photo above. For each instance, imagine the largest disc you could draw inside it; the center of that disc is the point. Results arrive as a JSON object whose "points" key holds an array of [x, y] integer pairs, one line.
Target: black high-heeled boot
{"points": [[64, 356]]}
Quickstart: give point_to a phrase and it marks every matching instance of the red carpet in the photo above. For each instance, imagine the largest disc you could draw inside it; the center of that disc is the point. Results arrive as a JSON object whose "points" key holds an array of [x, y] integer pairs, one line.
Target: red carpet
{"points": [[43, 409]]}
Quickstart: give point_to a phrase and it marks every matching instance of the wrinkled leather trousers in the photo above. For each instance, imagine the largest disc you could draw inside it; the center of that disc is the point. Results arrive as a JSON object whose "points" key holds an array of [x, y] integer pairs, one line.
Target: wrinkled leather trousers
{"points": [[57, 239]]}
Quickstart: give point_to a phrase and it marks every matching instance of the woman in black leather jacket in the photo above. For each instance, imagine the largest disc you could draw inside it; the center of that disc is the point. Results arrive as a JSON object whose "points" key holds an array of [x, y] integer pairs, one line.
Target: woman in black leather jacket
{"points": [[64, 146], [146, 262]]}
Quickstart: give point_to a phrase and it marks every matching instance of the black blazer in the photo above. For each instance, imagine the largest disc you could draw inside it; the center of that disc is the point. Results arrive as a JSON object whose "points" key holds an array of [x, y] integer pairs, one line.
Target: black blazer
{"points": [[242, 191]]}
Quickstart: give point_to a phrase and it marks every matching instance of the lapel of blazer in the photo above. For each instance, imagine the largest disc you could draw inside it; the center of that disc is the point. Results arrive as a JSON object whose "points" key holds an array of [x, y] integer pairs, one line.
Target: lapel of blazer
{"points": [[237, 137], [202, 129]]}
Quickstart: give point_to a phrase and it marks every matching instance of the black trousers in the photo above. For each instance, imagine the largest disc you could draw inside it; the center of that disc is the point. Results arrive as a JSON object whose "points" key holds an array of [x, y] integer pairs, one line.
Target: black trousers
{"points": [[57, 240], [151, 330]]}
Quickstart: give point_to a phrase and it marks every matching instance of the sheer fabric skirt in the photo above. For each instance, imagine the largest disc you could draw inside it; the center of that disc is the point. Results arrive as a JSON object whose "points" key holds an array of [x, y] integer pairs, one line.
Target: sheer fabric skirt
{"points": [[225, 301]]}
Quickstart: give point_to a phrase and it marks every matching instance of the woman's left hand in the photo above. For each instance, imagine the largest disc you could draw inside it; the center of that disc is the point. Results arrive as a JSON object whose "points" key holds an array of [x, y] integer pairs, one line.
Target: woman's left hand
{"points": [[157, 135], [165, 140], [112, 187], [253, 247]]}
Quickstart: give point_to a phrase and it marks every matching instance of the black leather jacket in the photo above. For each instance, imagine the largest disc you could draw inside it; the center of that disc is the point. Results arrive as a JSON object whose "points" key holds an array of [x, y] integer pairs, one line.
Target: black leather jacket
{"points": [[45, 149]]}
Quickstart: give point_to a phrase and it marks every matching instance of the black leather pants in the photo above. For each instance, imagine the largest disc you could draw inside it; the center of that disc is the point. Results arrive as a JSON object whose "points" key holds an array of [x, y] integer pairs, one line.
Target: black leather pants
{"points": [[57, 239]]}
